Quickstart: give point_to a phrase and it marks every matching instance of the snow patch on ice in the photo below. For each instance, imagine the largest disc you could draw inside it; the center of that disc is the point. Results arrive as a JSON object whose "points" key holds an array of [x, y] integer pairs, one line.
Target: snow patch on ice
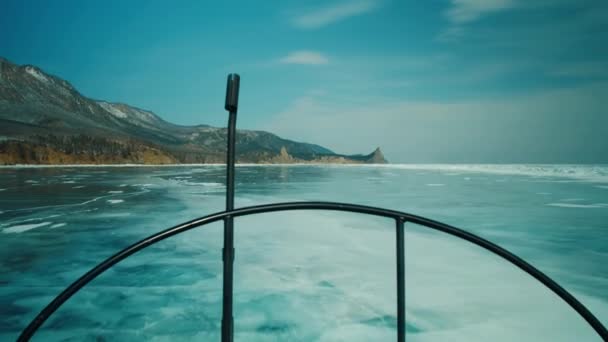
{"points": [[575, 205], [57, 225], [203, 184], [20, 228], [589, 173], [144, 185], [115, 201]]}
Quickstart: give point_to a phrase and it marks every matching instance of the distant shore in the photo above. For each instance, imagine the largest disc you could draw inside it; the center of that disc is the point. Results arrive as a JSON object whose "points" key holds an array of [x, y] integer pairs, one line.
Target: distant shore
{"points": [[33, 166], [595, 173]]}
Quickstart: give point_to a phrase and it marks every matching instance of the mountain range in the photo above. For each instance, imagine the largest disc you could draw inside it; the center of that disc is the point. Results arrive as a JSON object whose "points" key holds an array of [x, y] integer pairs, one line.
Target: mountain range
{"points": [[45, 120]]}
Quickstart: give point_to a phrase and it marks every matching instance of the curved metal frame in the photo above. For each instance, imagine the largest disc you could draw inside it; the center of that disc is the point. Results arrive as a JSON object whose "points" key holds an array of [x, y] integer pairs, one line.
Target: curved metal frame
{"points": [[399, 217]]}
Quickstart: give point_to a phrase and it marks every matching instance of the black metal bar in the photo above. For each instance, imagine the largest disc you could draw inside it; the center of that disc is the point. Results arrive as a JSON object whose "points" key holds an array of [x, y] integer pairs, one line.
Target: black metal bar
{"points": [[232, 99], [228, 273], [276, 207], [400, 237]]}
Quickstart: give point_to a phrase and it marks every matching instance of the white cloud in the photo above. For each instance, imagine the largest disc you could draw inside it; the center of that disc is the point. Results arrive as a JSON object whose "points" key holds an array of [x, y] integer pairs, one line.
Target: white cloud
{"points": [[330, 14], [304, 57], [542, 23], [461, 12], [464, 11]]}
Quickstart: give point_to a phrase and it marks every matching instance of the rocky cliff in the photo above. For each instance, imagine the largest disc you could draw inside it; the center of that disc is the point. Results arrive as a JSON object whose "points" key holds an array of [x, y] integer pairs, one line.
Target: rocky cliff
{"points": [[45, 120]]}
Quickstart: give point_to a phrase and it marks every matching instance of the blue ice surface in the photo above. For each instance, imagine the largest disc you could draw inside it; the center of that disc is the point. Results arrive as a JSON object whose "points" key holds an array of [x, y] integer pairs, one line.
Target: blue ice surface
{"points": [[303, 276]]}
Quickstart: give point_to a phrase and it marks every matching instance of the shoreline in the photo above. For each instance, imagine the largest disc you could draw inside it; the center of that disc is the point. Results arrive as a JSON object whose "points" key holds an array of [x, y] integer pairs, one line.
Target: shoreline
{"points": [[421, 166], [594, 173], [33, 166]]}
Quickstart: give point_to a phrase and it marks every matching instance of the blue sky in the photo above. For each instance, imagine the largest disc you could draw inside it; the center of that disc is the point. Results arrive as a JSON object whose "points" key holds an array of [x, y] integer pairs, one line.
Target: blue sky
{"points": [[428, 81]]}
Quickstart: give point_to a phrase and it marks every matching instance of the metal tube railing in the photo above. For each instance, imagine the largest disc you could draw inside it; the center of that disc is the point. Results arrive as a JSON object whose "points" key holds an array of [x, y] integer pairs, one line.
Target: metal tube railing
{"points": [[400, 248], [399, 217], [231, 105]]}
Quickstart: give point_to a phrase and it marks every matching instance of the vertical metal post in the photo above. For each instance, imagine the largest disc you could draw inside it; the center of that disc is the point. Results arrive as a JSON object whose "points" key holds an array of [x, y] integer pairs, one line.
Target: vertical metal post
{"points": [[232, 99], [400, 237]]}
